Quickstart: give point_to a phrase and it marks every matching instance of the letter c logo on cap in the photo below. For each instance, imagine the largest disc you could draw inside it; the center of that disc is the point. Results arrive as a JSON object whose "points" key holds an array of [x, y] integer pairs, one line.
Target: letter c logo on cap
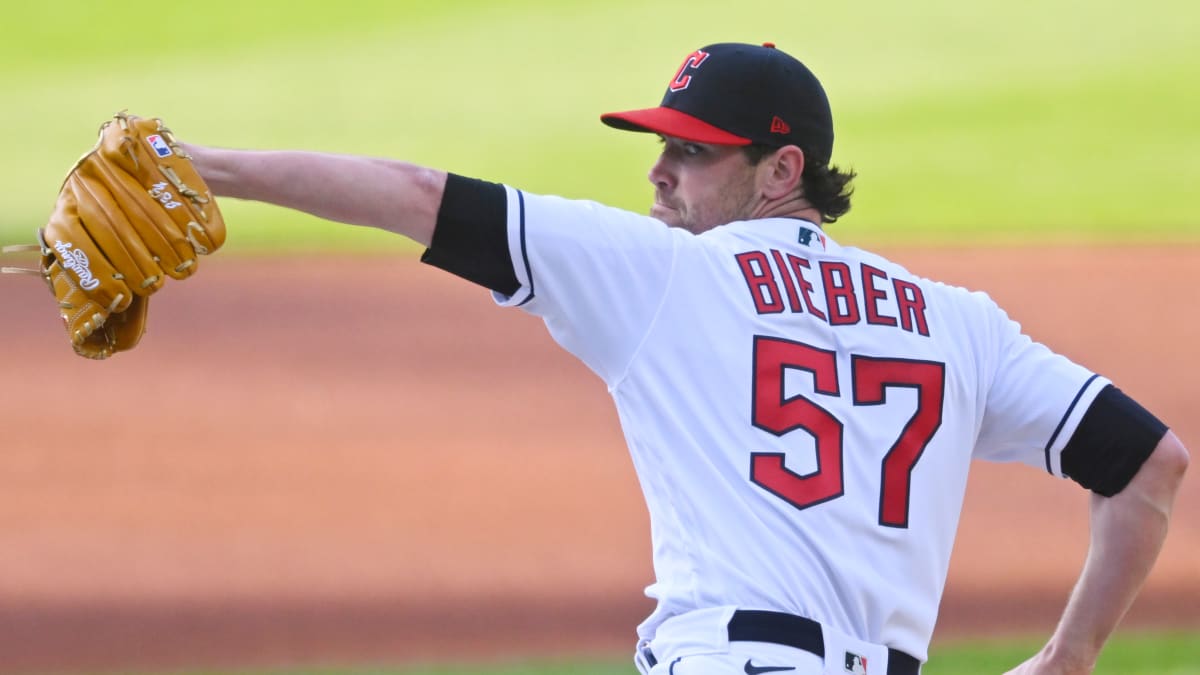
{"points": [[693, 61]]}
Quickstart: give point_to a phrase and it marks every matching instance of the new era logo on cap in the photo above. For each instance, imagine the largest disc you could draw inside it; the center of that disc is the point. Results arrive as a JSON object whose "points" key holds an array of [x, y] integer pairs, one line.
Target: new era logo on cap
{"points": [[740, 94]]}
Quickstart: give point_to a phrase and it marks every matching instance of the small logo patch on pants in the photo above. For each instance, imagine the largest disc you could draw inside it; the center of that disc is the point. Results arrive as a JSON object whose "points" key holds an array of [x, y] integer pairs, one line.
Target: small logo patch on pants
{"points": [[752, 669], [856, 664]]}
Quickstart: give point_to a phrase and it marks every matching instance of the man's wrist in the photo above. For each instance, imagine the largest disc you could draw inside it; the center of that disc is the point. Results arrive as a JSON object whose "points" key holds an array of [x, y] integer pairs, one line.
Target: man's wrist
{"points": [[1071, 655]]}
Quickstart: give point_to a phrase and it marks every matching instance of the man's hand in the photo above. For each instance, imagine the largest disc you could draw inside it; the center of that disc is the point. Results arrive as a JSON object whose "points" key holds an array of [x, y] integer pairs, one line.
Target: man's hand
{"points": [[1127, 533]]}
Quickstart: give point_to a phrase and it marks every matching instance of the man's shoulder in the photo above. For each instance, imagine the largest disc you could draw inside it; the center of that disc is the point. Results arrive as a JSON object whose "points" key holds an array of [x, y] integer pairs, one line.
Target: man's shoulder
{"points": [[898, 269]]}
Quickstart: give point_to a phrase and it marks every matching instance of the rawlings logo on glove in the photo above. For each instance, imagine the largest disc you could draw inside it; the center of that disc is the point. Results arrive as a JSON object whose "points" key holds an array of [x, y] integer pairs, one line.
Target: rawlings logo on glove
{"points": [[77, 262], [130, 213]]}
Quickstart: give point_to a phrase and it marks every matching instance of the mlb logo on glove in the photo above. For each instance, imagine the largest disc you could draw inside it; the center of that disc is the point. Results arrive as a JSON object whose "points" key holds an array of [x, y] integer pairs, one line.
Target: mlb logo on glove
{"points": [[159, 145]]}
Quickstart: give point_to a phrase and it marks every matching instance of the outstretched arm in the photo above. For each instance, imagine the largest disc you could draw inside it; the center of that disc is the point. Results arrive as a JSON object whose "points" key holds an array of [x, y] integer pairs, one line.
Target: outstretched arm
{"points": [[381, 193], [1127, 531]]}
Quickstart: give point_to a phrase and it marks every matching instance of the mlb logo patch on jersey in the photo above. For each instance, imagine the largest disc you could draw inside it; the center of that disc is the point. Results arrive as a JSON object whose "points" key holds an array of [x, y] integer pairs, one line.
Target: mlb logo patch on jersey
{"points": [[811, 238], [856, 664], [160, 146]]}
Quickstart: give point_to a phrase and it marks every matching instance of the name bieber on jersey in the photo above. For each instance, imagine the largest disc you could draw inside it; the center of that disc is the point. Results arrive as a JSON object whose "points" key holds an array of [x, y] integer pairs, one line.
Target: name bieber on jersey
{"points": [[779, 282]]}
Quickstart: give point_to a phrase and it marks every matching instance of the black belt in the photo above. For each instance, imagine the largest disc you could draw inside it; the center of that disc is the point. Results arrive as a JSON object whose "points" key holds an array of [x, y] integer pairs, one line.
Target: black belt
{"points": [[801, 633]]}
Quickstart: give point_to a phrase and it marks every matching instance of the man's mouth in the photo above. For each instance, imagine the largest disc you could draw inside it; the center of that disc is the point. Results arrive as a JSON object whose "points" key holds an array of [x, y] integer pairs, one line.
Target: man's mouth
{"points": [[663, 212]]}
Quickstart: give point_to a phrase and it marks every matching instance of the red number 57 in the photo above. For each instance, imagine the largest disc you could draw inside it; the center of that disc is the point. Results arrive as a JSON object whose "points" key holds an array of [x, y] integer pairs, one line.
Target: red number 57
{"points": [[871, 377]]}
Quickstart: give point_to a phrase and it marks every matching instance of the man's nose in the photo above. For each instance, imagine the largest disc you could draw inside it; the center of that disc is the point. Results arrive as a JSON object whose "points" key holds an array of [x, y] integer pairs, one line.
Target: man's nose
{"points": [[661, 174]]}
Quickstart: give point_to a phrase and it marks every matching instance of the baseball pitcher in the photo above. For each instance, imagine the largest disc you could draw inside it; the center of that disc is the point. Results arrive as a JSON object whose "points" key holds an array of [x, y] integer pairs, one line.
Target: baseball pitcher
{"points": [[801, 414]]}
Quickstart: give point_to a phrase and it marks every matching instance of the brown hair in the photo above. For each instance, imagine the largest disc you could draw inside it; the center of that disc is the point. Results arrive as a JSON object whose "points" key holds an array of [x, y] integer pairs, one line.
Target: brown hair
{"points": [[824, 186]]}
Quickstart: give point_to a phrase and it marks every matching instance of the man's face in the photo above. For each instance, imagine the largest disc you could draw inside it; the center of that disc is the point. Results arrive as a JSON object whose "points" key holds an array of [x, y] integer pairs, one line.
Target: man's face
{"points": [[698, 186]]}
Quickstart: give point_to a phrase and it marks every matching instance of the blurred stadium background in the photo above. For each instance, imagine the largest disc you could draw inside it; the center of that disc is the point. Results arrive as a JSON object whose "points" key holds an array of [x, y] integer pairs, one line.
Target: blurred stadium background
{"points": [[973, 126]]}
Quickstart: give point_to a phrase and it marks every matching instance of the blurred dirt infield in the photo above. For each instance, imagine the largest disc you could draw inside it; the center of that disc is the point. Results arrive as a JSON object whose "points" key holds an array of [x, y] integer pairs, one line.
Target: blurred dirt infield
{"points": [[352, 461]]}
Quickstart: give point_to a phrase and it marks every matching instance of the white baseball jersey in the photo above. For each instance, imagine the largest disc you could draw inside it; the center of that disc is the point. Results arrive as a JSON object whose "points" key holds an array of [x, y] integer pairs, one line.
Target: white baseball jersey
{"points": [[801, 414]]}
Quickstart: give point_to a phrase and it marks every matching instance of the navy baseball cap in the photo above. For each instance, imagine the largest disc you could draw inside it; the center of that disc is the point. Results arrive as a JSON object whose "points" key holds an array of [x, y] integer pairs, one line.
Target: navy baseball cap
{"points": [[738, 94]]}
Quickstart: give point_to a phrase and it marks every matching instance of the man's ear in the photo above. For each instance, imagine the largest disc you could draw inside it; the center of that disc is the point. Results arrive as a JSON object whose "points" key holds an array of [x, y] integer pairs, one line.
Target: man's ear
{"points": [[780, 172]]}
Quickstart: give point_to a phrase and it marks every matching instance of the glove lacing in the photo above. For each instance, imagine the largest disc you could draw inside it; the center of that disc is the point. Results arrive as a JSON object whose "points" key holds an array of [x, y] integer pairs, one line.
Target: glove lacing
{"points": [[22, 248]]}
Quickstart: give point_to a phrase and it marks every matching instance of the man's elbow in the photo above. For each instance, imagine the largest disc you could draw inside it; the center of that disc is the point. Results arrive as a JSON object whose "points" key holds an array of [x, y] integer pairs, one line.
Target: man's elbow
{"points": [[1162, 473], [1175, 458]]}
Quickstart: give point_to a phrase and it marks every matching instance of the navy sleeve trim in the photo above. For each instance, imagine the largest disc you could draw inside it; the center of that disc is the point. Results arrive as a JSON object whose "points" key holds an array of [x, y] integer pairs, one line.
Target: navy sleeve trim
{"points": [[1065, 417], [524, 249], [1111, 443], [471, 236]]}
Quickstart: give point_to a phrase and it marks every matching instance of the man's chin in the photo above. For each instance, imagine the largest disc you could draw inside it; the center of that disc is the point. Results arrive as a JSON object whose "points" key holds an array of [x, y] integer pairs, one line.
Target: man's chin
{"points": [[666, 214]]}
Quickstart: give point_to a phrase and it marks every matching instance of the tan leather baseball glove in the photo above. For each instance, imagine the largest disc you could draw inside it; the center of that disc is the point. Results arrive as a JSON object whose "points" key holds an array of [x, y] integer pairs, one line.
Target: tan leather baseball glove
{"points": [[132, 212]]}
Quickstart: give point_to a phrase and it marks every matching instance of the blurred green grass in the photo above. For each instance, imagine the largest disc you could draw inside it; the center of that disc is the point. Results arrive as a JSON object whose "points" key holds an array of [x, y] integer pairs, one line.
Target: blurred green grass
{"points": [[1133, 653], [967, 122]]}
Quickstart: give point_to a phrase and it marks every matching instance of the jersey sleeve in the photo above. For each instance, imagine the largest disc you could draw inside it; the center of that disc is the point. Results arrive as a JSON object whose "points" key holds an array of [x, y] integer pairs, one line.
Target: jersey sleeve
{"points": [[1034, 401], [596, 275]]}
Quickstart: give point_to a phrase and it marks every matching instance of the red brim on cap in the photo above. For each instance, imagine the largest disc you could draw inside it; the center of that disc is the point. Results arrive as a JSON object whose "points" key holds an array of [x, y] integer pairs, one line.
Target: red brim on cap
{"points": [[671, 122]]}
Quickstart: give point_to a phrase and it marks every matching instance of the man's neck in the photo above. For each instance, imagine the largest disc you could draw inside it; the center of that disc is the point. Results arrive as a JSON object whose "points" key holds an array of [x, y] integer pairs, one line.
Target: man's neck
{"points": [[798, 208]]}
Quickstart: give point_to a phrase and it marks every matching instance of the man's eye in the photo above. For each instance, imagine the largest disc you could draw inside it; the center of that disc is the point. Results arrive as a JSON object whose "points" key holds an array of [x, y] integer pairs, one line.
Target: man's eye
{"points": [[692, 149]]}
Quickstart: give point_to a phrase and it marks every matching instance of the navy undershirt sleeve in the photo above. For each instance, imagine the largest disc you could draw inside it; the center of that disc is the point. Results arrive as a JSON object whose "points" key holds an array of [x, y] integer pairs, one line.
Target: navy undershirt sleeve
{"points": [[471, 237], [1113, 439]]}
